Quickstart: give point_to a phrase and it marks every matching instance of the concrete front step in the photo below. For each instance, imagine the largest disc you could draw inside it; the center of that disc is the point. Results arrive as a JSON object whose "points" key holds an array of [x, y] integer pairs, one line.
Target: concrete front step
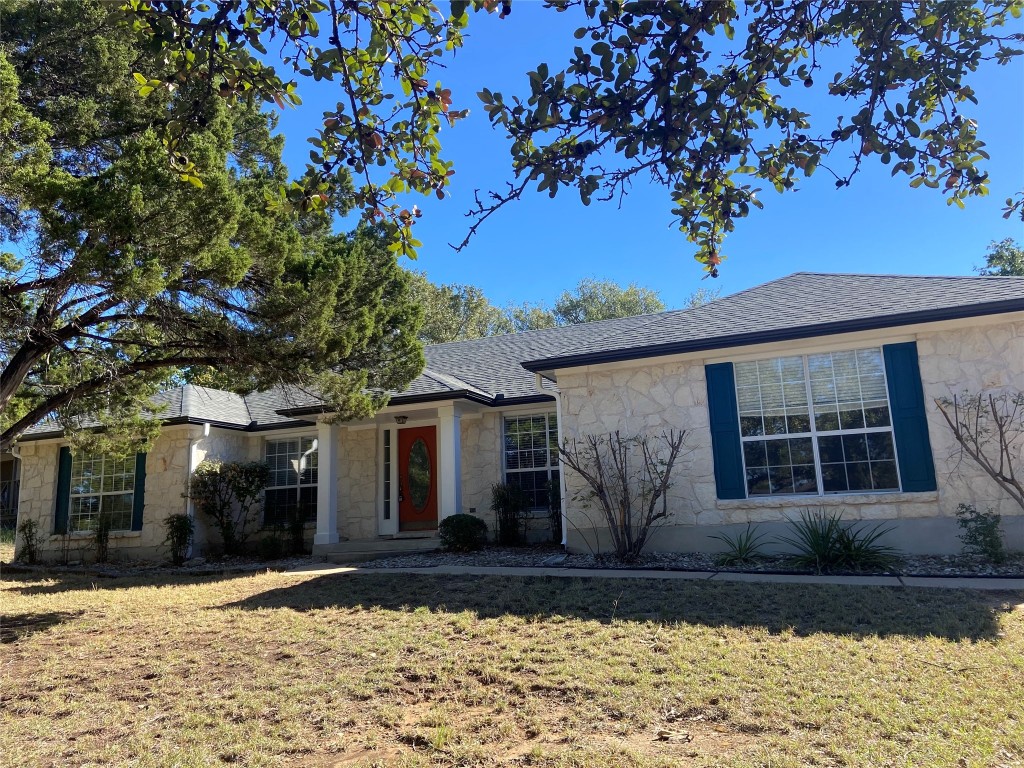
{"points": [[361, 550]]}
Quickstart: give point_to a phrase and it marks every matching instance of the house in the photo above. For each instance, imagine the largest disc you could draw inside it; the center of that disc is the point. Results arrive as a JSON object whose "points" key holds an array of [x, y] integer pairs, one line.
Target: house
{"points": [[811, 391]]}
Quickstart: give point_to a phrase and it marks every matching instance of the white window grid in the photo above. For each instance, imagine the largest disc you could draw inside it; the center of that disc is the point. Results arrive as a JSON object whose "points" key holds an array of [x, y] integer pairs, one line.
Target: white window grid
{"points": [[101, 484], [550, 444], [279, 455], [814, 433]]}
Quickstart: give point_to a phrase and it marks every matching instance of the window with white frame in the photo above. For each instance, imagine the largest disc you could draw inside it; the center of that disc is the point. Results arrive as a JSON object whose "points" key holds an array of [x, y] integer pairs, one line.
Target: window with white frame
{"points": [[289, 490], [816, 424], [531, 455], [101, 485]]}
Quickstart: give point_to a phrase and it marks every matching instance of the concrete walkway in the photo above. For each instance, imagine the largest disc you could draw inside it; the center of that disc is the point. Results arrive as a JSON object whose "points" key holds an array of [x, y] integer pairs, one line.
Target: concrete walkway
{"points": [[943, 582]]}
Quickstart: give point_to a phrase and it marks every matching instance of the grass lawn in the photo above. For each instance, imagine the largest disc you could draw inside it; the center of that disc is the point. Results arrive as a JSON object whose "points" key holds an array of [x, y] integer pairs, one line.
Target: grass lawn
{"points": [[412, 670]]}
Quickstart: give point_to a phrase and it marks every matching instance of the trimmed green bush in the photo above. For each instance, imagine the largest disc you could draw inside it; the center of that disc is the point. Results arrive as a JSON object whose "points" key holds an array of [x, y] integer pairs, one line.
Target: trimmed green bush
{"points": [[462, 533]]}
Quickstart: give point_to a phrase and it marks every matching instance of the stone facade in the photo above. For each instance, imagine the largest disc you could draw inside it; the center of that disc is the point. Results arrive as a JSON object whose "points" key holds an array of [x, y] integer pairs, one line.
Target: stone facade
{"points": [[481, 464], [357, 470], [166, 471], [641, 397], [648, 397]]}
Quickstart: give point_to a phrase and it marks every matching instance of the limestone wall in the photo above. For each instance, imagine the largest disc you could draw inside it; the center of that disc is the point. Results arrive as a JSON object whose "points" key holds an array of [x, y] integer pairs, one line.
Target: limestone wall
{"points": [[165, 487], [481, 464], [973, 359], [357, 470], [649, 397]]}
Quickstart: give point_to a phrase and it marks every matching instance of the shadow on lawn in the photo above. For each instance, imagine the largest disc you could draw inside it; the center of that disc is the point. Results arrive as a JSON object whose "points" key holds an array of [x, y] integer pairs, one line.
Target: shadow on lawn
{"points": [[17, 626], [778, 608], [54, 582]]}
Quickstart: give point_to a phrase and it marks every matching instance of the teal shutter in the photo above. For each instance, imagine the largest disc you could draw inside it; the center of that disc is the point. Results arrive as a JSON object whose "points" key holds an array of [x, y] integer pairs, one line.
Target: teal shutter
{"points": [[60, 517], [906, 403], [139, 499], [725, 431]]}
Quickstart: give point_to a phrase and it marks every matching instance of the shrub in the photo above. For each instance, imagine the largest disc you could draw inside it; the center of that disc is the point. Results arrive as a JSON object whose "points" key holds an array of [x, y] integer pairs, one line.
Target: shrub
{"points": [[270, 547], [981, 533], [462, 533], [231, 495], [627, 478], [28, 532], [101, 537], [742, 549], [180, 530], [824, 543], [297, 532], [508, 502], [555, 510]]}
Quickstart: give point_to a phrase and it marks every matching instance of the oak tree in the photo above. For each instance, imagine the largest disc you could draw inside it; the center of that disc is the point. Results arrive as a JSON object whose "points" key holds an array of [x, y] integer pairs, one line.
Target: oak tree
{"points": [[704, 98]]}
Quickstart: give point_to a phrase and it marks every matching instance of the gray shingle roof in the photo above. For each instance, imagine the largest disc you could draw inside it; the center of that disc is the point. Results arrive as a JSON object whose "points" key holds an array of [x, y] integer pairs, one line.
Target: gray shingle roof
{"points": [[798, 306], [498, 368]]}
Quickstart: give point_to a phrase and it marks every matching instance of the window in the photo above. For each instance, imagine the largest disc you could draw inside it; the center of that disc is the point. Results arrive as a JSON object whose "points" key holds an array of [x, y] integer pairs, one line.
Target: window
{"points": [[815, 424], [531, 455], [8, 494], [101, 484], [286, 488]]}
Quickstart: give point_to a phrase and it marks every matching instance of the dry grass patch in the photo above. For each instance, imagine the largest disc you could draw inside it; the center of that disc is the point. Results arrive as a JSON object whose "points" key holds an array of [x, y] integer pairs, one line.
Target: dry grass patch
{"points": [[412, 670]]}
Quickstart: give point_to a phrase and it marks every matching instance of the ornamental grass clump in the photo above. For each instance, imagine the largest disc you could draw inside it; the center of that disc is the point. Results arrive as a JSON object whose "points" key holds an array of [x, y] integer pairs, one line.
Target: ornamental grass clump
{"points": [[742, 549], [823, 542]]}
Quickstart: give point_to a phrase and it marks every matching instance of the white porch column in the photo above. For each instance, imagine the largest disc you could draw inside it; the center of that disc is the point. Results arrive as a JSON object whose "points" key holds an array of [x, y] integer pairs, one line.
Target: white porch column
{"points": [[449, 449], [328, 444]]}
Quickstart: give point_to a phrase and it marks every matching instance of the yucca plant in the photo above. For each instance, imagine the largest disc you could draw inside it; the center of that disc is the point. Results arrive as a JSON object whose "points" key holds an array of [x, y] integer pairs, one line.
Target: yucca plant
{"points": [[742, 549], [824, 543]]}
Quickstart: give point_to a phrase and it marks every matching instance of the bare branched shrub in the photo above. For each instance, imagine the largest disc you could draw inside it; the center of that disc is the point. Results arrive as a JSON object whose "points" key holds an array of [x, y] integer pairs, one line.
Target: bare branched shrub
{"points": [[989, 427], [628, 478]]}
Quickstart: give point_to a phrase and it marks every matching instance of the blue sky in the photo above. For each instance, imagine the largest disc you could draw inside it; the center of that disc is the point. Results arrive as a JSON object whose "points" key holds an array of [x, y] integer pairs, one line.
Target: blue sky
{"points": [[534, 249]]}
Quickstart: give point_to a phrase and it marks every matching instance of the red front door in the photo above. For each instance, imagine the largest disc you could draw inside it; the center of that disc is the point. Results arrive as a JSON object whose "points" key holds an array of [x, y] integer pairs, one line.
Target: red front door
{"points": [[417, 479]]}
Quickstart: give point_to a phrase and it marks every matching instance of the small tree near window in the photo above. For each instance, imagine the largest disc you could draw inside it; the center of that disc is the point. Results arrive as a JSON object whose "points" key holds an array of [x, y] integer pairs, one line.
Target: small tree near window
{"points": [[989, 427], [628, 478], [231, 495]]}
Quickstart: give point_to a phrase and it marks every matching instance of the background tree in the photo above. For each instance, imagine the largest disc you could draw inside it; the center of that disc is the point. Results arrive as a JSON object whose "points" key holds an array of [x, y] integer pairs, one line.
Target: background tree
{"points": [[1004, 258], [454, 312], [703, 98], [598, 300], [121, 272], [702, 296]]}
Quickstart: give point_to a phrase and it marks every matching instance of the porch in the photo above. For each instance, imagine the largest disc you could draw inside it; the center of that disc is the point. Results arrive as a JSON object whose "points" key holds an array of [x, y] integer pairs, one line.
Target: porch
{"points": [[361, 550], [385, 483]]}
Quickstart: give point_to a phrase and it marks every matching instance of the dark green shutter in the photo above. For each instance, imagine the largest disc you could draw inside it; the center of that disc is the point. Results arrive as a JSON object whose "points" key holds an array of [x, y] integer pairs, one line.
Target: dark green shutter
{"points": [[725, 431], [139, 499], [909, 425], [60, 517]]}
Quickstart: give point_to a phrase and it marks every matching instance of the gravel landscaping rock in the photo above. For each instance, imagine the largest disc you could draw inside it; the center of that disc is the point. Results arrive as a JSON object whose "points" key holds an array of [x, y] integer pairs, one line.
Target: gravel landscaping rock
{"points": [[547, 557], [197, 566]]}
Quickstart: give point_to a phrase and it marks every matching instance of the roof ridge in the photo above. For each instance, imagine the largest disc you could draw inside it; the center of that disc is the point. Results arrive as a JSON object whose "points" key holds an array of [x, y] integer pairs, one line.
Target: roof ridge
{"points": [[447, 379], [899, 276]]}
